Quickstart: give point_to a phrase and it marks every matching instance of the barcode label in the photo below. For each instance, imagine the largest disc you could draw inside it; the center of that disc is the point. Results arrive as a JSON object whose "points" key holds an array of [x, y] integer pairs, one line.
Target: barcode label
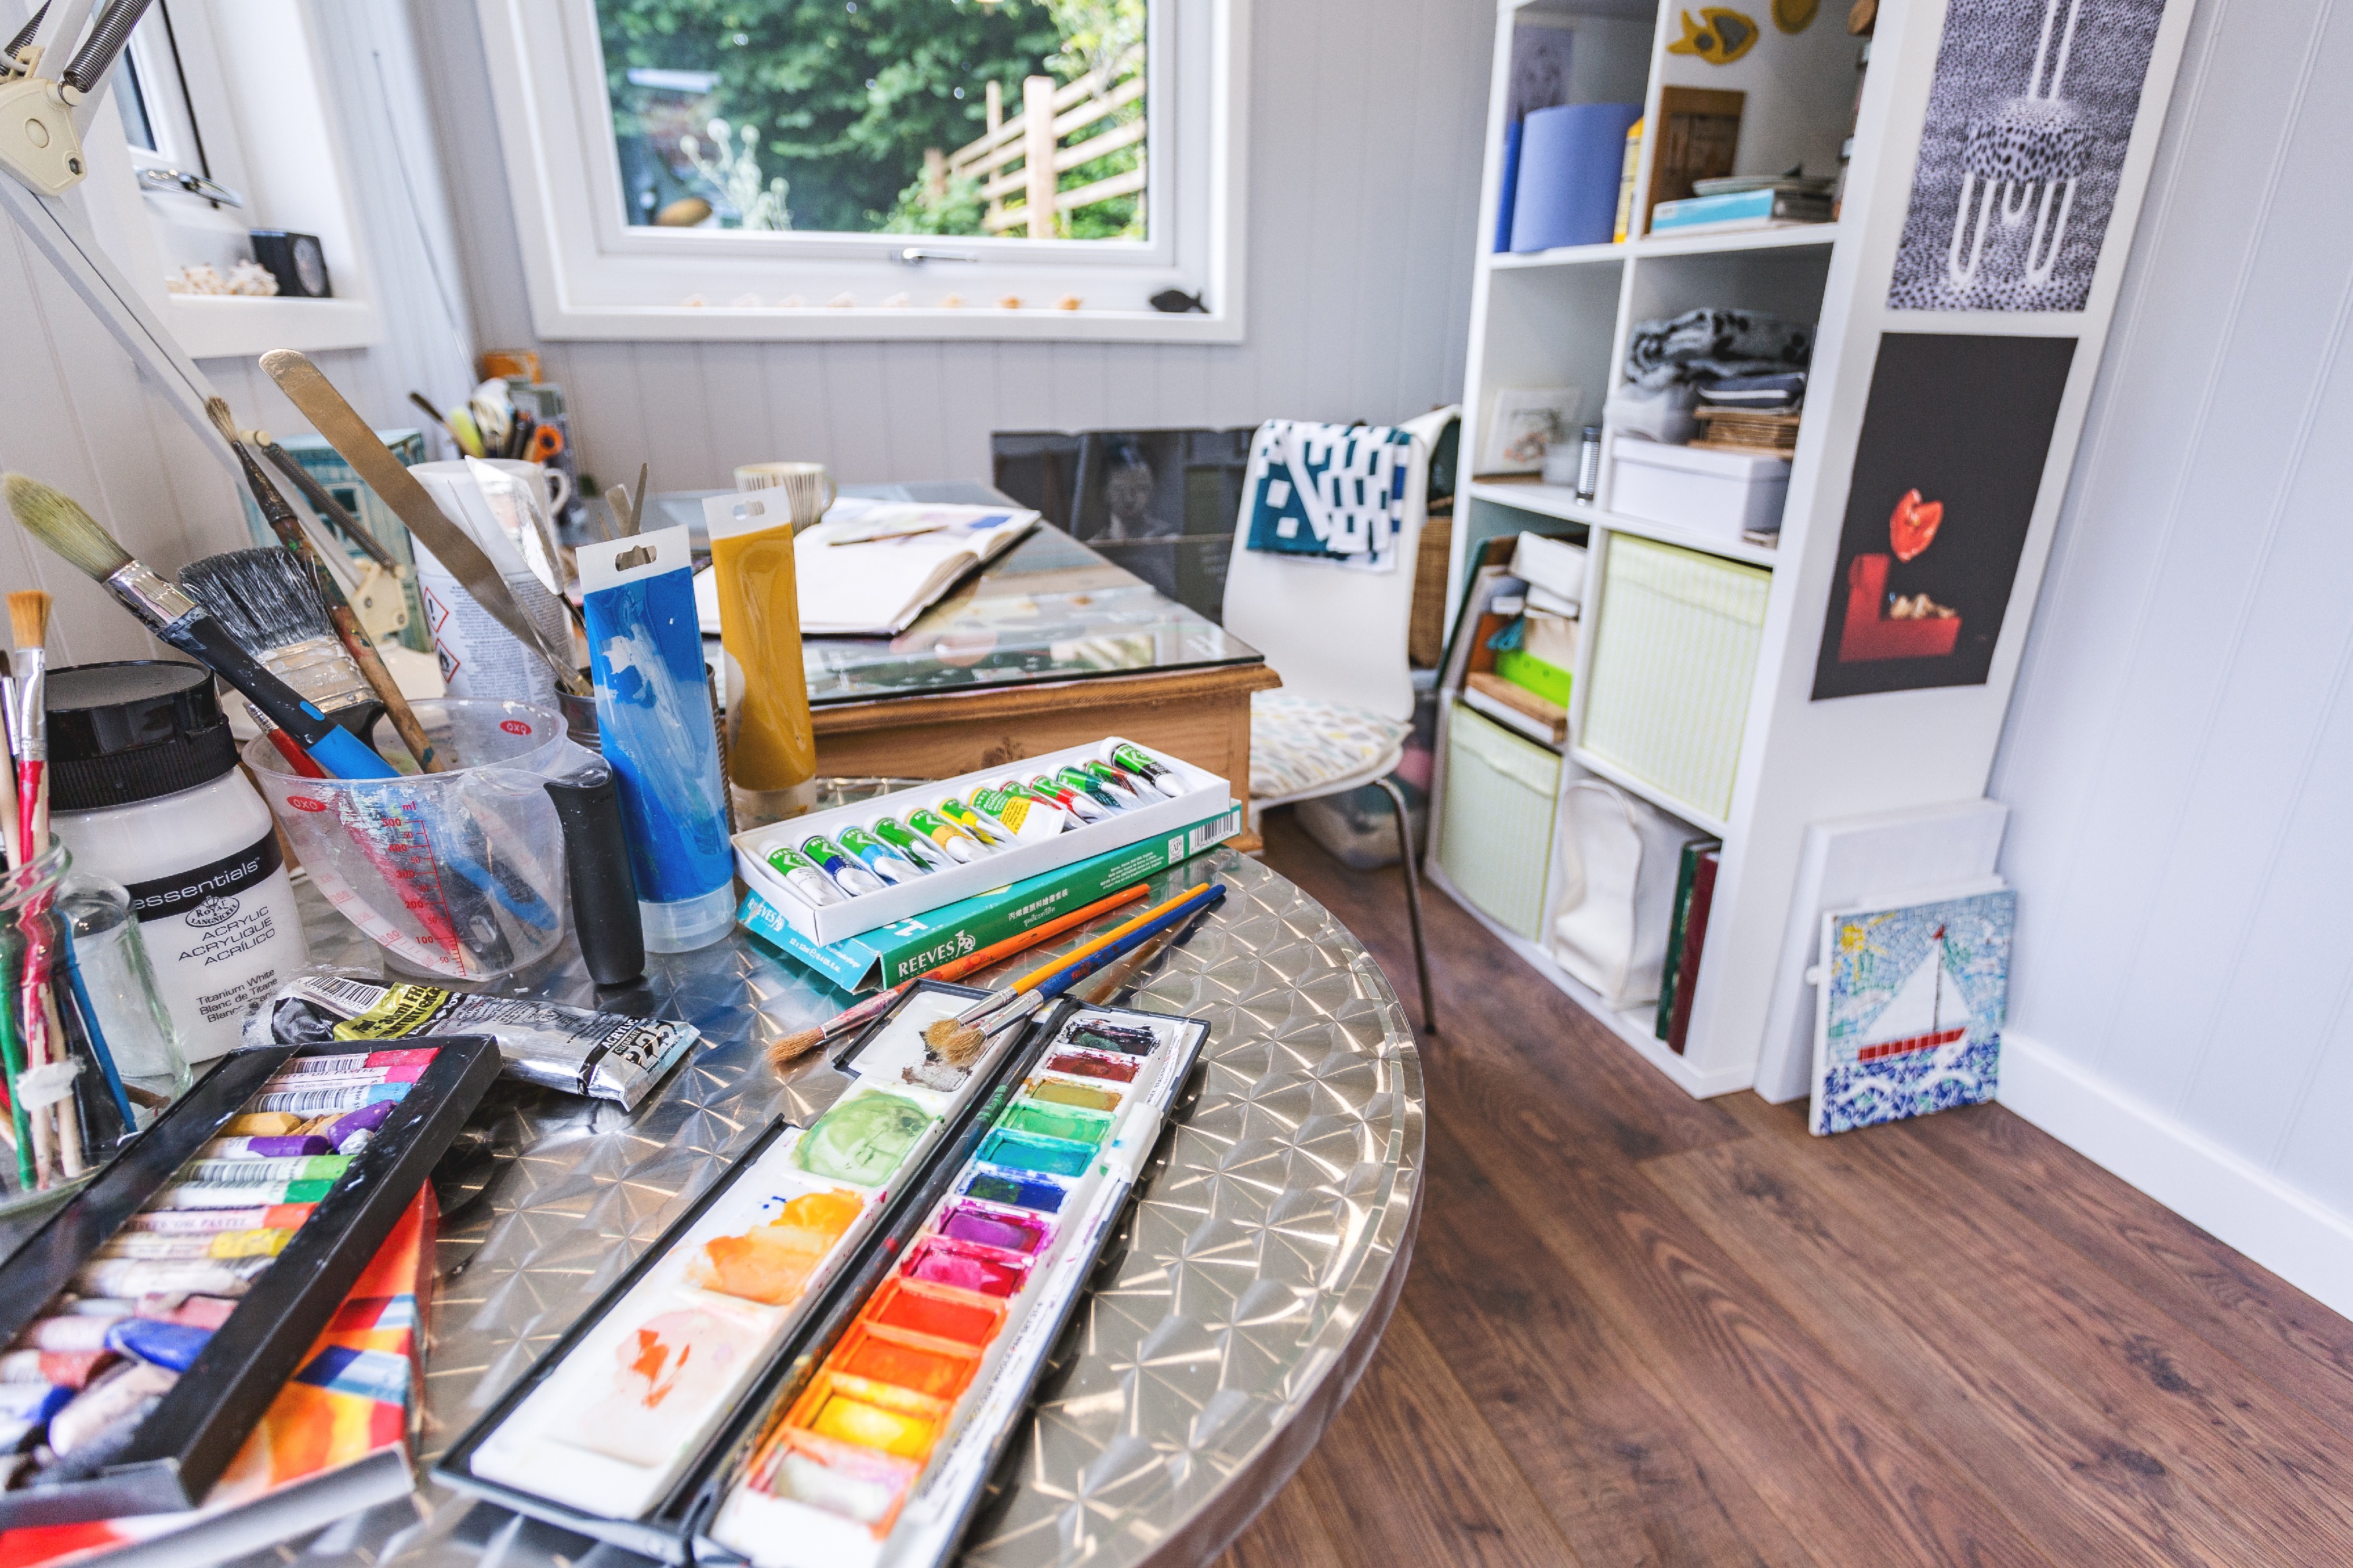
{"points": [[356, 994], [316, 1102]]}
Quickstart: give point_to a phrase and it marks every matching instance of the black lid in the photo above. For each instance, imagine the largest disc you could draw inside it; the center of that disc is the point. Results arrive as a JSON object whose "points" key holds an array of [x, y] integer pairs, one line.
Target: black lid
{"points": [[133, 731]]}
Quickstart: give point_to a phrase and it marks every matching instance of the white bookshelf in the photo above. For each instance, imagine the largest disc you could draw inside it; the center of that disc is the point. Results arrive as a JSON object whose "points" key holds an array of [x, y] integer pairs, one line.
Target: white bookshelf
{"points": [[1561, 317]]}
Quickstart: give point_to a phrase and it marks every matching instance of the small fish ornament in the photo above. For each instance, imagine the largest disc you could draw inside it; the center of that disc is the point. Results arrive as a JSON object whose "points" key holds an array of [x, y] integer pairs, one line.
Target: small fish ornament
{"points": [[1719, 37]]}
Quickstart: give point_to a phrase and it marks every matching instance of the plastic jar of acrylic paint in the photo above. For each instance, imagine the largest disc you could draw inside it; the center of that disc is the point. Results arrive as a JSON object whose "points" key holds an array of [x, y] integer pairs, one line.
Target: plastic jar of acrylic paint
{"points": [[144, 789]]}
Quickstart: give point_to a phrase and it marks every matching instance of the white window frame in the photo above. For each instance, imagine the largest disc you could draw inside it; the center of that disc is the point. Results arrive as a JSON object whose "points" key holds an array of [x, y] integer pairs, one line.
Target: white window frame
{"points": [[590, 275], [258, 85]]}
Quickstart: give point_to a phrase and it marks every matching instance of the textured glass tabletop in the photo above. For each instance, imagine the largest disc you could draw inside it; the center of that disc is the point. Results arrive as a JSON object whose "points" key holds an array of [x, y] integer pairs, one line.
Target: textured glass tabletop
{"points": [[1232, 1313], [1047, 609]]}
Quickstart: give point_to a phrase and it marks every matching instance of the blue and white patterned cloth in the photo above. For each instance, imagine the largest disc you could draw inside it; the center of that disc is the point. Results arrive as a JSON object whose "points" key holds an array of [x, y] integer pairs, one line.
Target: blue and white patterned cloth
{"points": [[1329, 492]]}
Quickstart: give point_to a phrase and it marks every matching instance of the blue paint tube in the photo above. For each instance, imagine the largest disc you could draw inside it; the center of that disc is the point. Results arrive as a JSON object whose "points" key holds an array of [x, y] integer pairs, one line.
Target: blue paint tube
{"points": [[653, 711]]}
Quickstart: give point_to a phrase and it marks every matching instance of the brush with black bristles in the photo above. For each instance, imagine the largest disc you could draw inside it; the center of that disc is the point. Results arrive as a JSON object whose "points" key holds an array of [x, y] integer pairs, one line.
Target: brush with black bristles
{"points": [[269, 601]]}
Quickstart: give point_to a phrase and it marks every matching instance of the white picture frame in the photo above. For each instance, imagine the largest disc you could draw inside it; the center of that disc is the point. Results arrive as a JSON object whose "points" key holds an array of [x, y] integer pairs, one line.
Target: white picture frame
{"points": [[1520, 421]]}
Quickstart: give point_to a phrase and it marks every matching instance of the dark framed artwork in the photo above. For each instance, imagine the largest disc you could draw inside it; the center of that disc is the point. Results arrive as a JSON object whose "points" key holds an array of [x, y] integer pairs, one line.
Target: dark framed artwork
{"points": [[1950, 460], [2029, 116]]}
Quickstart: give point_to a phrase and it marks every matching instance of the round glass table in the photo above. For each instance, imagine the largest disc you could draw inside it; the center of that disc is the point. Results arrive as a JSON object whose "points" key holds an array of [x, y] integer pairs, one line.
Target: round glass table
{"points": [[1245, 1293]]}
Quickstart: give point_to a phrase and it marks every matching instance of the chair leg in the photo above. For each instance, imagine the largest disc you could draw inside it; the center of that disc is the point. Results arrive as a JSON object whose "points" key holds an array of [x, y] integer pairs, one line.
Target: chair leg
{"points": [[1412, 900]]}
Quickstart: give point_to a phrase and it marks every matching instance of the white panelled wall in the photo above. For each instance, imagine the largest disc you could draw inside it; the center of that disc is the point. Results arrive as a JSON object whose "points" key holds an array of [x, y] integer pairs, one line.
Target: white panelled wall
{"points": [[2180, 750], [1365, 118], [74, 412]]}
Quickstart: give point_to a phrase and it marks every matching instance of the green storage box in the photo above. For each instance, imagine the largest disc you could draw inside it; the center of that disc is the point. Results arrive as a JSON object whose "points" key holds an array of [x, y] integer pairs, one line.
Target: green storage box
{"points": [[1495, 833], [1673, 659], [1529, 673]]}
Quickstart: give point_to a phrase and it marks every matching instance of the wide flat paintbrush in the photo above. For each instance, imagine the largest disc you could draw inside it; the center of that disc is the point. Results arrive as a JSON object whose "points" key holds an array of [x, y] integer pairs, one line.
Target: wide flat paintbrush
{"points": [[959, 1041], [269, 600], [794, 1047], [54, 519]]}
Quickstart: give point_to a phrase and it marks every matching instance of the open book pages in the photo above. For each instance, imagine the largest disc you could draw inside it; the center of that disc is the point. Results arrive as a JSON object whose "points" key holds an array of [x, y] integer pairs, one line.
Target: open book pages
{"points": [[868, 568]]}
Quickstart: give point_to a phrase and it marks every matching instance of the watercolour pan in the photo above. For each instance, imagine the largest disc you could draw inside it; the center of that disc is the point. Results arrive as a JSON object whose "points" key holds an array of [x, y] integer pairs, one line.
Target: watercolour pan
{"points": [[190, 1437], [656, 1521], [932, 1494]]}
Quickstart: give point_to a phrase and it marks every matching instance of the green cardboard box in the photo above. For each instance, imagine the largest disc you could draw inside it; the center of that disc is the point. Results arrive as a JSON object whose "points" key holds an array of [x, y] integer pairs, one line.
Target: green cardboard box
{"points": [[906, 949]]}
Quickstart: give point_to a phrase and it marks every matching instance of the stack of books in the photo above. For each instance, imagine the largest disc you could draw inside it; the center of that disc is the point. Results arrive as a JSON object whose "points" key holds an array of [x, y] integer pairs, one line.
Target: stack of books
{"points": [[1745, 202]]}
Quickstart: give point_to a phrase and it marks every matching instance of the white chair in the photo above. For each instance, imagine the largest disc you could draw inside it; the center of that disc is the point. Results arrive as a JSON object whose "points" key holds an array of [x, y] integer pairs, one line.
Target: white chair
{"points": [[1337, 637]]}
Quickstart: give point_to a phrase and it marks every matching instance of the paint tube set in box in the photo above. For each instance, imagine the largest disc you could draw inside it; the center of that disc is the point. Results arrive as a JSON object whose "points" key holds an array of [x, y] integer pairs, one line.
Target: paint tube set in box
{"points": [[833, 873]]}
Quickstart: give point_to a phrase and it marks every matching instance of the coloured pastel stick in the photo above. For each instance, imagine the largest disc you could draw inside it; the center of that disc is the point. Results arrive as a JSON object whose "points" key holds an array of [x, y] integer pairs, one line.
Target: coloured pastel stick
{"points": [[141, 1277], [264, 1124], [254, 1173], [1018, 1188], [1025, 1151], [980, 1270], [193, 1311], [349, 1133], [939, 1373], [66, 1369], [1085, 1096], [65, 1331], [1087, 1127], [216, 1195], [183, 1248], [358, 1061], [990, 1227], [964, 1320], [193, 1222], [172, 1346], [313, 1101], [264, 1148], [1086, 1064]]}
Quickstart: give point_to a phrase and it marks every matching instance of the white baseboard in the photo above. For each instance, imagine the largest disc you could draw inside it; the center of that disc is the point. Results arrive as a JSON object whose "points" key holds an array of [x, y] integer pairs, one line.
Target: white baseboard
{"points": [[2297, 1237]]}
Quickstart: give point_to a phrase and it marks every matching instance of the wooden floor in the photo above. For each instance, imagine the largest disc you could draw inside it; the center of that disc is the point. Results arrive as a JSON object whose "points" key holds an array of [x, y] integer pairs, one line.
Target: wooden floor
{"points": [[1641, 1329]]}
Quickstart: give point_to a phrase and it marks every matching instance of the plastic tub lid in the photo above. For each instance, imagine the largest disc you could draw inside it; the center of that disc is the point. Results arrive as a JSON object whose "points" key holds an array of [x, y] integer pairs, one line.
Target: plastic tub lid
{"points": [[1699, 460], [684, 925]]}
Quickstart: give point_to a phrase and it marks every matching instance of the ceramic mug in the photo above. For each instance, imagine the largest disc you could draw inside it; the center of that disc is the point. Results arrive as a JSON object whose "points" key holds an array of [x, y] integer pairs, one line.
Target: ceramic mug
{"points": [[809, 489]]}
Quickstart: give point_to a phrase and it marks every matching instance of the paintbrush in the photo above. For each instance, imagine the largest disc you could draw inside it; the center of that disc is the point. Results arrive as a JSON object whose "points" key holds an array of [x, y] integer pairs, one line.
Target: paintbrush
{"points": [[54, 519], [269, 599], [638, 500], [434, 414], [28, 736], [344, 625], [959, 1041], [8, 766], [793, 1046]]}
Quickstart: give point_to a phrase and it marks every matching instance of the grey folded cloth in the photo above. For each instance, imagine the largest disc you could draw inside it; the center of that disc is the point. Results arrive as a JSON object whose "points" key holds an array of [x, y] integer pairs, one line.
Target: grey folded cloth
{"points": [[1711, 343]]}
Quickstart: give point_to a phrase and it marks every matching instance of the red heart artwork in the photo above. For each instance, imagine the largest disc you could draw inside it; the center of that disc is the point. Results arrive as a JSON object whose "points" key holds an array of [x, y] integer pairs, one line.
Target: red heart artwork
{"points": [[1912, 526]]}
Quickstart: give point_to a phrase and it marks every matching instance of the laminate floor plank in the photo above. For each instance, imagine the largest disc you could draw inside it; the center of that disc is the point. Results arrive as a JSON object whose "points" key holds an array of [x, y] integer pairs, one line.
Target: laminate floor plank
{"points": [[1837, 1467], [1289, 1532], [2084, 1484], [1644, 1330], [1410, 1473], [2286, 1476], [2242, 1308], [1631, 1481]]}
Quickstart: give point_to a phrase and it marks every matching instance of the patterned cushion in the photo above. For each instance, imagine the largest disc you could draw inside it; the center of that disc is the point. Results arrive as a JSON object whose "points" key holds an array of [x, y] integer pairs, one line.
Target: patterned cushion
{"points": [[1298, 742]]}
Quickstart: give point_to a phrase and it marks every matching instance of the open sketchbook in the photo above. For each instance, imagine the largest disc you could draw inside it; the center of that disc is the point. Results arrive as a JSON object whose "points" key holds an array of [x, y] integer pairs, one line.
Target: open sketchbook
{"points": [[870, 567]]}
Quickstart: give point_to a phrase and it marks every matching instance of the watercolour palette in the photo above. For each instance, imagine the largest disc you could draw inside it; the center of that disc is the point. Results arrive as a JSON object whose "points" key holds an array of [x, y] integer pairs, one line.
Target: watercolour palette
{"points": [[878, 1458], [612, 1425]]}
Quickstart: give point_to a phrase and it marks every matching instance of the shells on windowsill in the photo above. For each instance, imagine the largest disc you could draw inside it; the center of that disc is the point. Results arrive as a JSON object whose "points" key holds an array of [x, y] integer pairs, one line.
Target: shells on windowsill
{"points": [[1069, 303], [249, 280], [1010, 302], [897, 302], [842, 301], [952, 302]]}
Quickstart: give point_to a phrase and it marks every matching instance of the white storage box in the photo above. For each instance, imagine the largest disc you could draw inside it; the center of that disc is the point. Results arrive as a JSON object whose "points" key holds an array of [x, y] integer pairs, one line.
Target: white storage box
{"points": [[1202, 794], [1720, 494]]}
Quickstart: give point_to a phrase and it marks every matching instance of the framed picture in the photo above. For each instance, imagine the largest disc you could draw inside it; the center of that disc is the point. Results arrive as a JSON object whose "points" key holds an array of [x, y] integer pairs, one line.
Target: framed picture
{"points": [[1521, 421], [1909, 1008], [1946, 475], [2030, 116]]}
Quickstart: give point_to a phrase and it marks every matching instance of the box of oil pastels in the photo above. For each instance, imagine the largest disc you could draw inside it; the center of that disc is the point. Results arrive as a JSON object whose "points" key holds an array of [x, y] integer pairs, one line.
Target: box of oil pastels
{"points": [[832, 874], [820, 1360], [154, 1318]]}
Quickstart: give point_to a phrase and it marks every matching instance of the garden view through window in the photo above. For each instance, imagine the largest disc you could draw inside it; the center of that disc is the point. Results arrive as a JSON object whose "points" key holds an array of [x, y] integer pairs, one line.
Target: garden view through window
{"points": [[910, 117]]}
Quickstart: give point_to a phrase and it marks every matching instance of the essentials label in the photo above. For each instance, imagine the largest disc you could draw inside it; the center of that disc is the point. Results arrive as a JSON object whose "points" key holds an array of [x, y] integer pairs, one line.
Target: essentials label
{"points": [[222, 937]]}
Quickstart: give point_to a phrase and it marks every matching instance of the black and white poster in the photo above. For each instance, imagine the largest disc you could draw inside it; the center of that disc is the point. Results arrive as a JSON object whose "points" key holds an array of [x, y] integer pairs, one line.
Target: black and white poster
{"points": [[1955, 439], [2029, 116]]}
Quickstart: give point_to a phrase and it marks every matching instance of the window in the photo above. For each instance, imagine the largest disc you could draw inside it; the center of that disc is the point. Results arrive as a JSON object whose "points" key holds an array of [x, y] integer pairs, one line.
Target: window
{"points": [[873, 168]]}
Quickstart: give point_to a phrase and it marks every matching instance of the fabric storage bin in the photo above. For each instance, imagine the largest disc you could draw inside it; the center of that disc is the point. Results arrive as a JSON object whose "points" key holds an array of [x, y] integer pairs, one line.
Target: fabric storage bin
{"points": [[1673, 657], [1691, 487], [1496, 835]]}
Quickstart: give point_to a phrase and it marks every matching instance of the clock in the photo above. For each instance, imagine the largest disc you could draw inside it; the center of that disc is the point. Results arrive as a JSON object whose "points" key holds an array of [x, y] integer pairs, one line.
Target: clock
{"points": [[295, 260]]}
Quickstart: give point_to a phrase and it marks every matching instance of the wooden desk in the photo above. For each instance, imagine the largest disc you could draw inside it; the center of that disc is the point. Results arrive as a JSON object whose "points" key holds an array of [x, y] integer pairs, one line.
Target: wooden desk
{"points": [[1051, 646]]}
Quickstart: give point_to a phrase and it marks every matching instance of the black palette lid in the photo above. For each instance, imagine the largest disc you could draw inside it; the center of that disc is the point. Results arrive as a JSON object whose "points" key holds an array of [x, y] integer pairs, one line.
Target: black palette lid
{"points": [[132, 731]]}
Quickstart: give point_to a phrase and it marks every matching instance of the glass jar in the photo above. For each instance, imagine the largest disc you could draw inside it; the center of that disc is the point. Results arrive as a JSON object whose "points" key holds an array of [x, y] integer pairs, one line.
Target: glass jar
{"points": [[71, 1096]]}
